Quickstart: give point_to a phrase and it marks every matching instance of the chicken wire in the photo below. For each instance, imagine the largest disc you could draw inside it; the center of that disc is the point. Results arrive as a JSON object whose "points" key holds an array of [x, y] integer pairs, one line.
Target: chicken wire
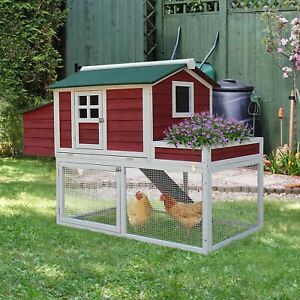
{"points": [[160, 225], [234, 205], [90, 195]]}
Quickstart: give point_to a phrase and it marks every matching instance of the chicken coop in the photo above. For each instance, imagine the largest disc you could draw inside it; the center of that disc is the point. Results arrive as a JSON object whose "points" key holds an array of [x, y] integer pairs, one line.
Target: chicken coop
{"points": [[116, 174]]}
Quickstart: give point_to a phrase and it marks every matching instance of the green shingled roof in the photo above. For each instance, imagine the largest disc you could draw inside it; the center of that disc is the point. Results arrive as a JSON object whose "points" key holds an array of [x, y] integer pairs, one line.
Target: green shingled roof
{"points": [[118, 76]]}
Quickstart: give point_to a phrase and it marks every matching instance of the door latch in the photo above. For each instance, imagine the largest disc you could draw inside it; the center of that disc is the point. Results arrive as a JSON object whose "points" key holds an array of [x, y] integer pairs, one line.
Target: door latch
{"points": [[101, 120]]}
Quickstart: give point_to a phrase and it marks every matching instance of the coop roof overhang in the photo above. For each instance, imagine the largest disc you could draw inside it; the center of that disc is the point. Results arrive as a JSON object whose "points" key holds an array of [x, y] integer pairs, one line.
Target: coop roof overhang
{"points": [[124, 74]]}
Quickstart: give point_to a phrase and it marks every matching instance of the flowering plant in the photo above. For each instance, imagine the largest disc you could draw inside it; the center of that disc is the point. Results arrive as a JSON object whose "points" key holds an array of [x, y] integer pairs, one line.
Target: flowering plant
{"points": [[283, 40], [207, 130]]}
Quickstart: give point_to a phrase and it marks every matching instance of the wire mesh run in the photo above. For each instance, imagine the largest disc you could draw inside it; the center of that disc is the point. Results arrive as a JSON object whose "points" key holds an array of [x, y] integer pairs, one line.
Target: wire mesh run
{"points": [[234, 205], [90, 195], [165, 205]]}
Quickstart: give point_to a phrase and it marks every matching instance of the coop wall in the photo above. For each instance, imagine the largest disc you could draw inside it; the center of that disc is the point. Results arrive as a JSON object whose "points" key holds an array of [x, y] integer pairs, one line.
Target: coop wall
{"points": [[162, 102], [38, 131]]}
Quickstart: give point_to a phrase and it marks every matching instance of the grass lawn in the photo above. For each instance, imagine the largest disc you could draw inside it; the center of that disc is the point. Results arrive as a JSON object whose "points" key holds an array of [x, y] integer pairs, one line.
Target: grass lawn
{"points": [[40, 260]]}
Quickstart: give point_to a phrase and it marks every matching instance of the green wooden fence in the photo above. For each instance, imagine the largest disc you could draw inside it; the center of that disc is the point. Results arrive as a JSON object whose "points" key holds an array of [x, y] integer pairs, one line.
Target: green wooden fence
{"points": [[104, 31], [113, 31]]}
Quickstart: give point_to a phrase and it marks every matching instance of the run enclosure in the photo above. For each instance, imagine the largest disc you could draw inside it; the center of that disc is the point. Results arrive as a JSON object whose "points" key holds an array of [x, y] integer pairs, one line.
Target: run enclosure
{"points": [[93, 194]]}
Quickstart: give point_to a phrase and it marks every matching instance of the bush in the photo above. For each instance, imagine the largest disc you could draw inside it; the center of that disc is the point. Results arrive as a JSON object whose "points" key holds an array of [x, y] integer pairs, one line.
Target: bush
{"points": [[6, 149], [29, 59], [207, 130]]}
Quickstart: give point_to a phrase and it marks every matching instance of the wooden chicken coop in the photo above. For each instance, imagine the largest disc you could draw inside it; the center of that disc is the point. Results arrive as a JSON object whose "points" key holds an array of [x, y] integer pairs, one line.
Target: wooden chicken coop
{"points": [[109, 129]]}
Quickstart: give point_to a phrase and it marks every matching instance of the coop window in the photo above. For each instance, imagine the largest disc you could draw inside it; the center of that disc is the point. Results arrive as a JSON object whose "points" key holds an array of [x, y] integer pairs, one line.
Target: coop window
{"points": [[182, 99], [87, 106]]}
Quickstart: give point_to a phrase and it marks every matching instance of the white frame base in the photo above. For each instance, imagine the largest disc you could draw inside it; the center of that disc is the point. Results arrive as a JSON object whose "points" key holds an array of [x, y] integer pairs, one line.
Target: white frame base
{"points": [[206, 168]]}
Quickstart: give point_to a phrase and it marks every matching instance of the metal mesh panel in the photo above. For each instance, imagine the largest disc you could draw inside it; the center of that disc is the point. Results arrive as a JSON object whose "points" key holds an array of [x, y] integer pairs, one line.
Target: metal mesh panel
{"points": [[234, 202], [159, 223], [90, 195]]}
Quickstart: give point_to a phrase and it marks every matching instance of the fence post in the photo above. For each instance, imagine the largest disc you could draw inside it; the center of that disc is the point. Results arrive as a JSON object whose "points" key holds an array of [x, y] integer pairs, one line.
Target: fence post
{"points": [[223, 43]]}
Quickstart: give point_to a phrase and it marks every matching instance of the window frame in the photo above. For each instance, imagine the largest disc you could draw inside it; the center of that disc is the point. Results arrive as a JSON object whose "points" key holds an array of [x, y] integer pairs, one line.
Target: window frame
{"points": [[88, 107], [190, 113]]}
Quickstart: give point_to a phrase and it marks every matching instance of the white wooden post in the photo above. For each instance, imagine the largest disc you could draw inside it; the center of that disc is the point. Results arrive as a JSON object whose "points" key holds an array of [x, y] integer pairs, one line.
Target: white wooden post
{"points": [[207, 202], [186, 182], [260, 186], [123, 202]]}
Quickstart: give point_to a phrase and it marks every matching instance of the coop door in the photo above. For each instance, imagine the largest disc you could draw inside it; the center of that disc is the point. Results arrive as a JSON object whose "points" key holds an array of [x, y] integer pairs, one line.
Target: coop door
{"points": [[90, 196], [89, 120]]}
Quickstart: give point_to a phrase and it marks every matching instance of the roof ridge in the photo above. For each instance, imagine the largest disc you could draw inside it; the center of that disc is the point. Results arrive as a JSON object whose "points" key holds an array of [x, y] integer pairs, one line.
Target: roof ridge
{"points": [[190, 63]]}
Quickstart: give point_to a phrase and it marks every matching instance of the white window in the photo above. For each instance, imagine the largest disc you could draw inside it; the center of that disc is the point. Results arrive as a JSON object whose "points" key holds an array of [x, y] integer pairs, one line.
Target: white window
{"points": [[88, 106], [182, 99]]}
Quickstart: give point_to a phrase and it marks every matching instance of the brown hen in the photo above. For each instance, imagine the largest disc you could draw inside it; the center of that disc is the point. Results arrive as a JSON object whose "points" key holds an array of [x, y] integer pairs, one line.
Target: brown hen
{"points": [[188, 214], [139, 210]]}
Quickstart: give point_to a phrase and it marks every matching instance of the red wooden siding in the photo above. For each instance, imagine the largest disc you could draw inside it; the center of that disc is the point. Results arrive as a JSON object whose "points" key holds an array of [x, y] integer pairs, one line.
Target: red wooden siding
{"points": [[89, 133], [65, 127], [125, 120], [178, 154], [162, 102], [235, 151], [38, 131]]}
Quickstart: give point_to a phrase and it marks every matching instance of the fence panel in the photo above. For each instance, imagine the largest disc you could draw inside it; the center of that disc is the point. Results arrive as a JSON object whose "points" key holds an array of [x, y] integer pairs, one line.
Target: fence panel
{"points": [[101, 32]]}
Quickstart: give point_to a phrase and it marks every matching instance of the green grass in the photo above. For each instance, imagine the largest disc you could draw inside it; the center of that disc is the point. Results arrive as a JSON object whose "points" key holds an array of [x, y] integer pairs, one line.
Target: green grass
{"points": [[40, 260]]}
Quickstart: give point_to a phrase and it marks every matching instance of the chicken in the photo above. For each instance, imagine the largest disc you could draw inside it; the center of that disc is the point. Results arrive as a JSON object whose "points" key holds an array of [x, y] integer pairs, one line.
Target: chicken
{"points": [[139, 210], [188, 214]]}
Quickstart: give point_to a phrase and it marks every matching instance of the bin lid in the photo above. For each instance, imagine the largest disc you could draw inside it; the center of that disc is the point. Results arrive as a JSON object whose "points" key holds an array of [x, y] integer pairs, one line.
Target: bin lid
{"points": [[233, 85]]}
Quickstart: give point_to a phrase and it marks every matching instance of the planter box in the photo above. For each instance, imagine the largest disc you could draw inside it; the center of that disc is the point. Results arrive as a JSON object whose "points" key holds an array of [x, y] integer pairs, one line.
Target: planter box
{"points": [[164, 151]]}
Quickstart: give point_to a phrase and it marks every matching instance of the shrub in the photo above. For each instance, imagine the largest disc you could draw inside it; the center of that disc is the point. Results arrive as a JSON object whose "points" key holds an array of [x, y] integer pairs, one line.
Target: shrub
{"points": [[29, 59], [207, 130], [6, 149]]}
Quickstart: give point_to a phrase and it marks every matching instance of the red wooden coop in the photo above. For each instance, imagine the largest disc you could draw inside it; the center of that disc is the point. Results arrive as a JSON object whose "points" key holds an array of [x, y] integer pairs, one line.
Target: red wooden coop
{"points": [[109, 124]]}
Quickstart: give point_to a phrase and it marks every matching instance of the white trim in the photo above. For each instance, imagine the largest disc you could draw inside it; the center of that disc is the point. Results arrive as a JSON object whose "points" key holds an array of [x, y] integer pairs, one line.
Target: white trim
{"points": [[101, 87], [199, 78], [164, 144], [206, 84], [190, 85], [104, 116], [207, 201], [73, 123], [101, 152], [123, 204], [166, 243], [147, 120], [260, 187], [190, 62], [234, 238], [56, 122]]}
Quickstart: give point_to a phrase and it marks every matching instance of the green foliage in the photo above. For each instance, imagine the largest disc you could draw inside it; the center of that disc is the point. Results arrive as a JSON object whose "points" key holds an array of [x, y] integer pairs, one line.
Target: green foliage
{"points": [[40, 260], [281, 161], [6, 149], [29, 60]]}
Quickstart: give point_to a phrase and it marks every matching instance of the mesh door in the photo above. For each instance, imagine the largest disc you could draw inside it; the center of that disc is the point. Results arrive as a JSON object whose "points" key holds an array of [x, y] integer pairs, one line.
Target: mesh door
{"points": [[234, 202], [90, 195], [162, 224]]}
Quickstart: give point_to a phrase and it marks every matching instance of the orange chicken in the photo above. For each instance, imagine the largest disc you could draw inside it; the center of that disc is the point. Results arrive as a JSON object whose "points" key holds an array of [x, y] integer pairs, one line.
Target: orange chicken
{"points": [[188, 214], [139, 210]]}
